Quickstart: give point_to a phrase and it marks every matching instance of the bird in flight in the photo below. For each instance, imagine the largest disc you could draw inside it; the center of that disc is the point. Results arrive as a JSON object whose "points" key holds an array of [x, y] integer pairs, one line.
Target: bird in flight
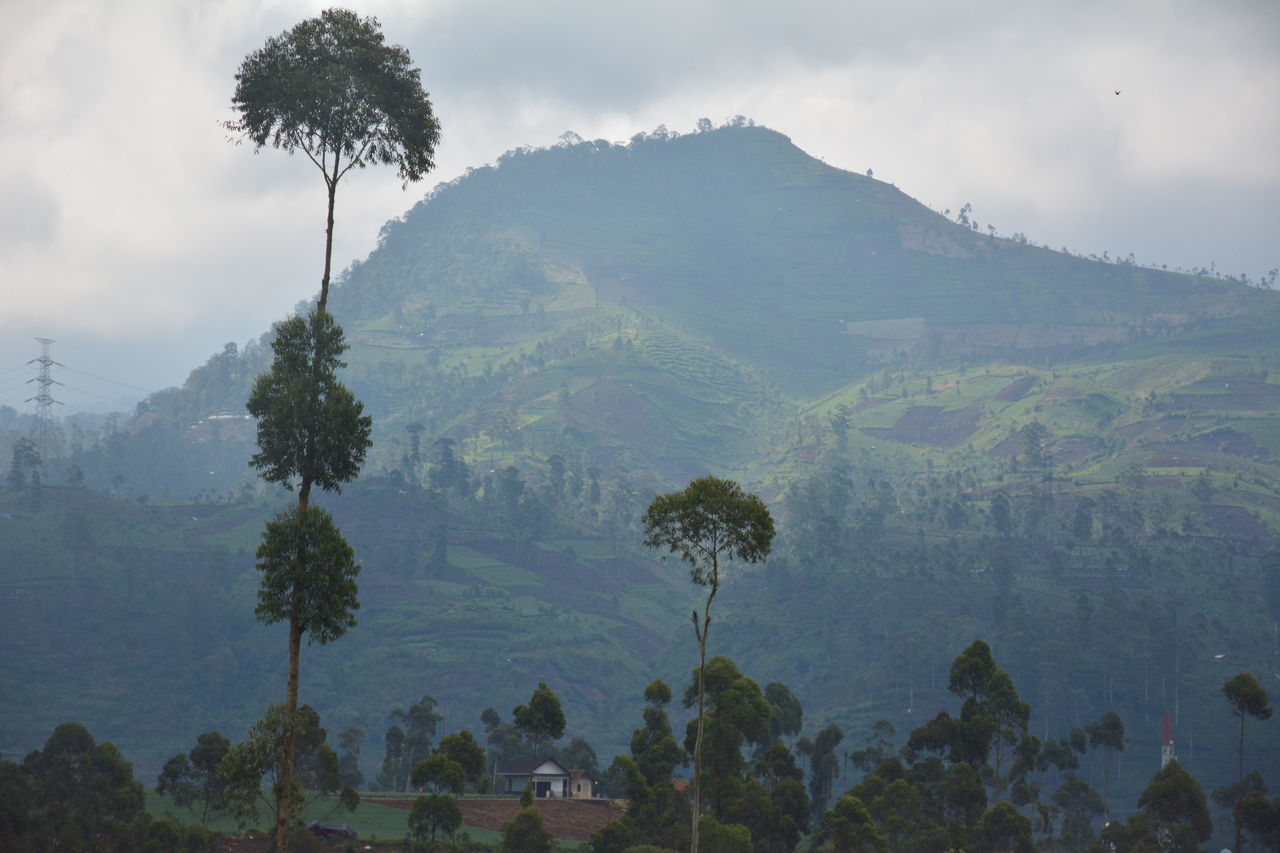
{"points": [[1117, 91]]}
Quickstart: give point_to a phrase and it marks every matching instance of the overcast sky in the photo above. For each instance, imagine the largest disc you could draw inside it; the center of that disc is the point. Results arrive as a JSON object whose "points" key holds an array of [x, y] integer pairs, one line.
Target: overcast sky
{"points": [[138, 237]]}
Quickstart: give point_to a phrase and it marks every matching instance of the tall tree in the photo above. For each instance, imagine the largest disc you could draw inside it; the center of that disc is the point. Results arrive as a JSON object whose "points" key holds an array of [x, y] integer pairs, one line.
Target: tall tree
{"points": [[824, 764], [1035, 446], [331, 88], [1248, 698], [542, 719], [455, 762], [1108, 733], [1174, 806], [420, 721], [193, 777], [247, 767], [653, 747], [1078, 803], [711, 521], [462, 748], [83, 794], [350, 740], [786, 715]]}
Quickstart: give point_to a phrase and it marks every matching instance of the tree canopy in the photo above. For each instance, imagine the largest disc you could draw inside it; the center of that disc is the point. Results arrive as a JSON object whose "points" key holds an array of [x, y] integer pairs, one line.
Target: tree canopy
{"points": [[331, 88], [311, 428], [542, 719], [432, 814], [710, 520], [309, 574], [83, 794]]}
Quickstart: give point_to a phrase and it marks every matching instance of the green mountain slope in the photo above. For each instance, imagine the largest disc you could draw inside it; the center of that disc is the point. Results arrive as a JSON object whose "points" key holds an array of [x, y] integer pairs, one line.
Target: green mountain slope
{"points": [[593, 323]]}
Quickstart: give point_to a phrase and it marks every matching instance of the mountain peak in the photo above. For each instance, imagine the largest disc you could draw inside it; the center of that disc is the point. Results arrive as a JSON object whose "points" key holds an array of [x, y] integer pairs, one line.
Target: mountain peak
{"points": [[736, 237]]}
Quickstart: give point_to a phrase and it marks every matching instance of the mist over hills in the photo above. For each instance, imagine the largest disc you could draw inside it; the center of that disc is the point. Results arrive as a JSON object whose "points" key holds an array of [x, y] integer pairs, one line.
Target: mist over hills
{"points": [[962, 434]]}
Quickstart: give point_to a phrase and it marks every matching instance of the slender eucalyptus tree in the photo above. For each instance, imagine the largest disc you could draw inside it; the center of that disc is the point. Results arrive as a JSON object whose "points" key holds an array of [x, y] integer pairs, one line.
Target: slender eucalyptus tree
{"points": [[331, 88], [1248, 698], [710, 522]]}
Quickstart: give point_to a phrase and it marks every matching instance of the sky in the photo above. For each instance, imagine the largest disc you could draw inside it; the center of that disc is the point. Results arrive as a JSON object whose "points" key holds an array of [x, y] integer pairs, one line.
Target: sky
{"points": [[140, 238]]}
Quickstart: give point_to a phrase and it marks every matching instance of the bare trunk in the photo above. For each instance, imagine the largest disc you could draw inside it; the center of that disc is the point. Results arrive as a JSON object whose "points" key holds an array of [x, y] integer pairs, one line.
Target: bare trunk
{"points": [[1106, 785], [1239, 784], [696, 789], [328, 243], [284, 798], [700, 630]]}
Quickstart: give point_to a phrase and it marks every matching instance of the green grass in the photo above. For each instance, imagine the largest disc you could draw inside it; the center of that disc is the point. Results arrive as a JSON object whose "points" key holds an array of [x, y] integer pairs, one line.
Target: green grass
{"points": [[490, 570], [369, 820]]}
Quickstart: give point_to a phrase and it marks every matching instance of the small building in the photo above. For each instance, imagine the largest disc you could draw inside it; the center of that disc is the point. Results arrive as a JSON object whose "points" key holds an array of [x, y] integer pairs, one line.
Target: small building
{"points": [[581, 785], [548, 777]]}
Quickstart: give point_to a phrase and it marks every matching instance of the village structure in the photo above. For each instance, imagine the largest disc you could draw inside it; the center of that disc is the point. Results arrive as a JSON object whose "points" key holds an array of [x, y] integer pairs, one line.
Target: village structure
{"points": [[548, 777]]}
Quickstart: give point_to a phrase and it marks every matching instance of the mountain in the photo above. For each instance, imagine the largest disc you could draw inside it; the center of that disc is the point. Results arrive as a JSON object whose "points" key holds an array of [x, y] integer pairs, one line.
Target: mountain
{"points": [[688, 302], [961, 435], [680, 300]]}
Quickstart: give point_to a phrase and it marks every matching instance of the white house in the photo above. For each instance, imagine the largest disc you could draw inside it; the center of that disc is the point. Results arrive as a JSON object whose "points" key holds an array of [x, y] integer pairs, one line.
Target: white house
{"points": [[548, 777]]}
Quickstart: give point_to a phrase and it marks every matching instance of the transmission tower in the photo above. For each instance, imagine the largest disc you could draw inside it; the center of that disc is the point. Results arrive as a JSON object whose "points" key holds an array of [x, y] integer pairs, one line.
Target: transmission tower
{"points": [[1166, 740], [43, 399]]}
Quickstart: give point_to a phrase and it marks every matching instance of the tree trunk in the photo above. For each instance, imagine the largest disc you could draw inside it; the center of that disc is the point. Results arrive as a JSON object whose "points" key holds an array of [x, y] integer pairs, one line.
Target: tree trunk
{"points": [[696, 790], [284, 798], [700, 631], [1239, 785], [1106, 785], [328, 243]]}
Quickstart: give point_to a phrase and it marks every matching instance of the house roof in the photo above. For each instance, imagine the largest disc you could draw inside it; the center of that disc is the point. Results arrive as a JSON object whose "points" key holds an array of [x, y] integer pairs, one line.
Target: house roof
{"points": [[525, 766]]}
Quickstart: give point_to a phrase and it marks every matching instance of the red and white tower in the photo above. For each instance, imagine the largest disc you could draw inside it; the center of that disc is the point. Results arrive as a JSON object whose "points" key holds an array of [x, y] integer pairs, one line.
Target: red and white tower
{"points": [[1166, 740]]}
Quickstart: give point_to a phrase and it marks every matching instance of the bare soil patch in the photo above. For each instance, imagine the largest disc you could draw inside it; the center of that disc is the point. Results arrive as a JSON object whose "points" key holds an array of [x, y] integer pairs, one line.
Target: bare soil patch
{"points": [[571, 820], [1236, 522], [1016, 390], [932, 425]]}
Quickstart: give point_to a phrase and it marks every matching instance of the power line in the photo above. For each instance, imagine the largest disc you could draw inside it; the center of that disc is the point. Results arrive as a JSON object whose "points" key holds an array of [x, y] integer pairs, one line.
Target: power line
{"points": [[112, 381], [98, 394], [14, 386], [43, 399]]}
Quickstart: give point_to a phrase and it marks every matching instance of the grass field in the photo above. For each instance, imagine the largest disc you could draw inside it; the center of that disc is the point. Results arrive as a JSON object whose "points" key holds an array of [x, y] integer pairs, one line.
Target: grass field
{"points": [[369, 820]]}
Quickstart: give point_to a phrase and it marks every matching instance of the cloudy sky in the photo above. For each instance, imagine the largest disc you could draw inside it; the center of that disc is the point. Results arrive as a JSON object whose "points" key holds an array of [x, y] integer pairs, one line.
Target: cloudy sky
{"points": [[138, 237]]}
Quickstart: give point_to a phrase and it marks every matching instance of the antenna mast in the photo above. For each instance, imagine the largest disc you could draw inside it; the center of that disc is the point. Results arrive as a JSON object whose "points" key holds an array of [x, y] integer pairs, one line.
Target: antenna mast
{"points": [[1166, 741], [43, 399]]}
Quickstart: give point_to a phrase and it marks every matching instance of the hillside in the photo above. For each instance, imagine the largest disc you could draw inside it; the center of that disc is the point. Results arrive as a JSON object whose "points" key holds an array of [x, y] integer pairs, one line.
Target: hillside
{"points": [[961, 435]]}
